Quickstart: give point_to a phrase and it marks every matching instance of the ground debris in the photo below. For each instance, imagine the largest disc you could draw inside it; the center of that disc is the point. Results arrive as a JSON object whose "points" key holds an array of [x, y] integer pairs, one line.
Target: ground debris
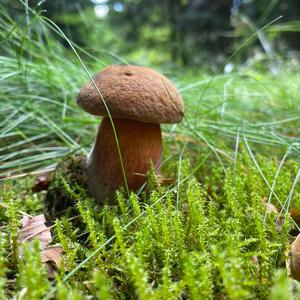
{"points": [[35, 228], [293, 260], [57, 201], [42, 182]]}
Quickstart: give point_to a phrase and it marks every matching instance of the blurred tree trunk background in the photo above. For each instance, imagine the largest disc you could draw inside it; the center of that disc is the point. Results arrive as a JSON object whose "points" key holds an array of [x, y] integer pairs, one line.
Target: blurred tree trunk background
{"points": [[203, 29], [185, 32]]}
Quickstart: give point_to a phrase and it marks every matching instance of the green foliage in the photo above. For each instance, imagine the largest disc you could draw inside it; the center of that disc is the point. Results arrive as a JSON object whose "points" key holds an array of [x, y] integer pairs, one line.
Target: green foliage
{"points": [[3, 266], [13, 226], [138, 277], [205, 245], [198, 275], [33, 276], [102, 286], [285, 288]]}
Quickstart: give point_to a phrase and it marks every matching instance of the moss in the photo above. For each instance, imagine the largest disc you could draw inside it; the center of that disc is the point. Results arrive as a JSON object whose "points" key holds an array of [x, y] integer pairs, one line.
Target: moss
{"points": [[170, 243]]}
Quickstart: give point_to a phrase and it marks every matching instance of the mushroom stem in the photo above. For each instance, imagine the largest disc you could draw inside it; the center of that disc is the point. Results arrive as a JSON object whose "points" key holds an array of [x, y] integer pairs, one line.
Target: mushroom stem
{"points": [[140, 144]]}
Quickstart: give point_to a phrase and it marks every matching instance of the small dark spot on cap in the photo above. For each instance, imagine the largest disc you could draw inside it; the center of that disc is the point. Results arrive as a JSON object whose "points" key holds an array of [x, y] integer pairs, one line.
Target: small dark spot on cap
{"points": [[128, 73]]}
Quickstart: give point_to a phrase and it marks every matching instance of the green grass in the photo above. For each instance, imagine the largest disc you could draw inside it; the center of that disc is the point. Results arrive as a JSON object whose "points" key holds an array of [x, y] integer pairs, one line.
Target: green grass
{"points": [[206, 236]]}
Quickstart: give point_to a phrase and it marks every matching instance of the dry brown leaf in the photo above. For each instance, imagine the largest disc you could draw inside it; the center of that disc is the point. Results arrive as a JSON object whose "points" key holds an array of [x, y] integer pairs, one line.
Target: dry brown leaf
{"points": [[271, 208], [294, 212], [294, 259], [42, 182], [52, 254], [35, 228]]}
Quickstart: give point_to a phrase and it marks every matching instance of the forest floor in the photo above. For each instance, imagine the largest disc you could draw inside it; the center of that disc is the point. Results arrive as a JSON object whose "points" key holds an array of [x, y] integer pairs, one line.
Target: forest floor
{"points": [[217, 223]]}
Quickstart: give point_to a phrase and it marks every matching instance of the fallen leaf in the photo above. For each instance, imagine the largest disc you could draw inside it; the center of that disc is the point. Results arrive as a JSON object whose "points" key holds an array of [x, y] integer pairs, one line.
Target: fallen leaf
{"points": [[271, 208], [294, 212], [294, 259], [35, 228], [52, 254], [42, 182]]}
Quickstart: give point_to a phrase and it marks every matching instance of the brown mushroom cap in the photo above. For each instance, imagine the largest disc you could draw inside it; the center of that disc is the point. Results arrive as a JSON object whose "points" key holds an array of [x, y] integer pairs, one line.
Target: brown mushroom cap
{"points": [[133, 92]]}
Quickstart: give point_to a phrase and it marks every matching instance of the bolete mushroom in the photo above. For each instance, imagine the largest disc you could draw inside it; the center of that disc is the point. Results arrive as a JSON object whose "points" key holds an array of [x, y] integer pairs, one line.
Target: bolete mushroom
{"points": [[138, 99]]}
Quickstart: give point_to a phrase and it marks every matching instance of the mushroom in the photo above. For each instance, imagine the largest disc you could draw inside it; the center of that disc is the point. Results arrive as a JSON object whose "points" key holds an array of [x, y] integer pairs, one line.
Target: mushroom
{"points": [[138, 99]]}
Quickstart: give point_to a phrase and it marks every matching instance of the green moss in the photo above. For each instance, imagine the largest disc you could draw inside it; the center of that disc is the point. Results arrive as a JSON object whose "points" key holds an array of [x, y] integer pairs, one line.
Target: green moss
{"points": [[198, 245]]}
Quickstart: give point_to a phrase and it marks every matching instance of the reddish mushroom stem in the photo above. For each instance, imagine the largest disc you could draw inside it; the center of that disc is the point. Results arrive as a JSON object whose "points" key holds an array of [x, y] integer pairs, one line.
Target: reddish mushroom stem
{"points": [[140, 144]]}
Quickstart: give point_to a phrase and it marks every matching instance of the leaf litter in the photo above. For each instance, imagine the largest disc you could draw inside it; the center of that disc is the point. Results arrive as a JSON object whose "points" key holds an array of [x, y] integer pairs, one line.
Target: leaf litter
{"points": [[35, 228]]}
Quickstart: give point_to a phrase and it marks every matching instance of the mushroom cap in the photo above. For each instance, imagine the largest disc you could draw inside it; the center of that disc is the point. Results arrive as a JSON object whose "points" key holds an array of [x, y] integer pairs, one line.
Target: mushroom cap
{"points": [[132, 92]]}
